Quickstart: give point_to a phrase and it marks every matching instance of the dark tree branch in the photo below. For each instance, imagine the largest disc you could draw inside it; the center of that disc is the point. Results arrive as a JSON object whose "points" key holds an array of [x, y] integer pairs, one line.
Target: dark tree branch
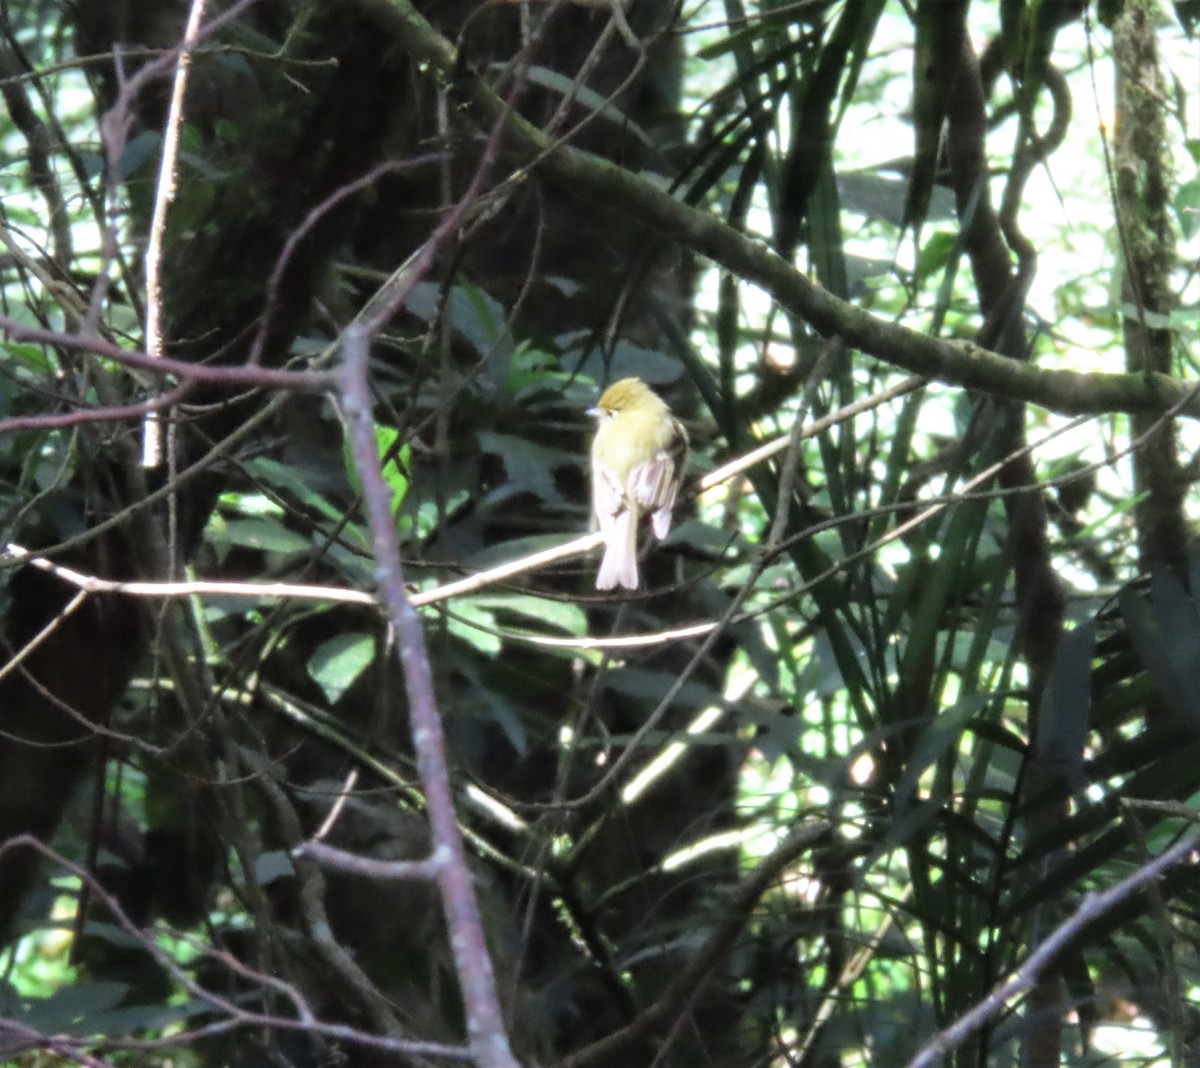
{"points": [[953, 362]]}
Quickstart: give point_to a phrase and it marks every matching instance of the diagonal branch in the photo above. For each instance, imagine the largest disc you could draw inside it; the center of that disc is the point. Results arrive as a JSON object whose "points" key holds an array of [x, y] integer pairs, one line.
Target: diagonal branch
{"points": [[695, 973], [953, 362]]}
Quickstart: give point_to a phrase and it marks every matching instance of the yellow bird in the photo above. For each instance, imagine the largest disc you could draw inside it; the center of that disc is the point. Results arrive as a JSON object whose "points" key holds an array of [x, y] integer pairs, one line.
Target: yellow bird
{"points": [[638, 456]]}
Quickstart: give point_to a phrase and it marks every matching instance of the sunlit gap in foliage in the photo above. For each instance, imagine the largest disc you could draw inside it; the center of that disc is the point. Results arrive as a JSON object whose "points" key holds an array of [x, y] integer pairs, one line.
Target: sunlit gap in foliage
{"points": [[39, 964], [669, 756]]}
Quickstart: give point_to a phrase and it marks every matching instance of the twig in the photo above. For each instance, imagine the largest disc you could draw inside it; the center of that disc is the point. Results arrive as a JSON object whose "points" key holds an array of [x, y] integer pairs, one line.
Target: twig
{"points": [[242, 375], [236, 1016], [610, 1049], [1092, 907], [164, 194], [328, 856]]}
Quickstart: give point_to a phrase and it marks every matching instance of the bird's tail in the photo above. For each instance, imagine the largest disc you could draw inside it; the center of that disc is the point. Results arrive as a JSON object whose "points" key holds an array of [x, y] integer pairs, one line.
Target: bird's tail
{"points": [[620, 566]]}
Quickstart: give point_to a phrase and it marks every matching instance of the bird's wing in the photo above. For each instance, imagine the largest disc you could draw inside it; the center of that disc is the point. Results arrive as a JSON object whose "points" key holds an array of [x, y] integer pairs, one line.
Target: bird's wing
{"points": [[653, 486], [608, 498]]}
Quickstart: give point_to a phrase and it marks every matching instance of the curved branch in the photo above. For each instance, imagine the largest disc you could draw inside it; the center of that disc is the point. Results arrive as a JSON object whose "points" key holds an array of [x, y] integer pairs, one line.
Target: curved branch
{"points": [[953, 362]]}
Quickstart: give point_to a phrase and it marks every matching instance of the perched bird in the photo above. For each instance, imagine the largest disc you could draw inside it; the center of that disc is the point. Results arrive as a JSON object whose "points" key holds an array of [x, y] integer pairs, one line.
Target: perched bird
{"points": [[637, 461]]}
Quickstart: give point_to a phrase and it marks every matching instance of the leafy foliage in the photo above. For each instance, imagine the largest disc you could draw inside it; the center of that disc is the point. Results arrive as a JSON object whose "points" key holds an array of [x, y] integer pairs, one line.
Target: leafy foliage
{"points": [[953, 635]]}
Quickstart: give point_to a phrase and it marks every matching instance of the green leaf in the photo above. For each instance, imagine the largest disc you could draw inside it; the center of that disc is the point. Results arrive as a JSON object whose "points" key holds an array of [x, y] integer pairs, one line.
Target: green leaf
{"points": [[1188, 13], [395, 464], [286, 477], [602, 106], [777, 728], [502, 552], [560, 615], [1186, 203], [265, 534], [192, 208], [1194, 570], [72, 1007], [338, 662], [139, 150], [255, 504], [35, 358], [475, 626], [1164, 635], [272, 866], [130, 1019], [532, 370], [472, 314], [111, 934], [1180, 626], [881, 196], [529, 466], [935, 253], [625, 359], [944, 731], [1067, 703], [648, 685]]}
